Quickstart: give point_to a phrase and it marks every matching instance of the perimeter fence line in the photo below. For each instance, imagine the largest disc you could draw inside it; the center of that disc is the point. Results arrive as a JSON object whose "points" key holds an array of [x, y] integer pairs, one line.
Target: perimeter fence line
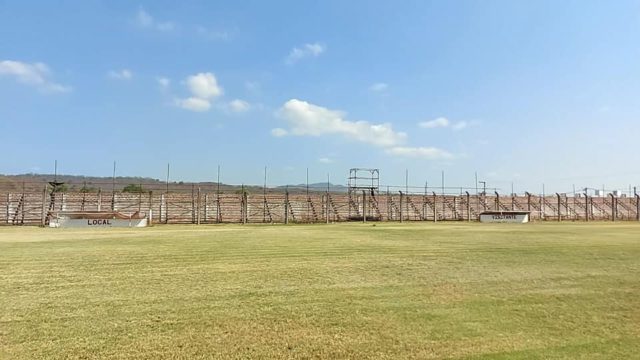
{"points": [[207, 204]]}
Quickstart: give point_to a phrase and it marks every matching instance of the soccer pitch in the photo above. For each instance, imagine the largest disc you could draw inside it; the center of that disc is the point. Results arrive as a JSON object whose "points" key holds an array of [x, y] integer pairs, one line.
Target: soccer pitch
{"points": [[385, 290]]}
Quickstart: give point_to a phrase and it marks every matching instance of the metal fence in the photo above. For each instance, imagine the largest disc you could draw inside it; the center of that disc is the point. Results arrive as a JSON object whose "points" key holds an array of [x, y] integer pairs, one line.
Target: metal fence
{"points": [[208, 205]]}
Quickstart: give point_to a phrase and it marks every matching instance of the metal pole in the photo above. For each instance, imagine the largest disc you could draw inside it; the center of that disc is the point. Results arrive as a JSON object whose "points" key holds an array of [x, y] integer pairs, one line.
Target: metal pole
{"points": [[243, 206], [544, 203], [400, 206], [364, 206], [193, 204], [406, 188], [218, 208], [327, 199], [424, 201], [198, 200], [476, 183], [575, 210], [406, 181], [328, 183], [286, 206], [435, 208], [218, 188], [167, 177], [586, 205], [613, 207], [113, 179], [468, 206], [44, 200]]}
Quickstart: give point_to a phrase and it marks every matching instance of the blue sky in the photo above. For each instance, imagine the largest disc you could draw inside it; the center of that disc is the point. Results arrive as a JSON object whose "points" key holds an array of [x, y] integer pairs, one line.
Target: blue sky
{"points": [[528, 92]]}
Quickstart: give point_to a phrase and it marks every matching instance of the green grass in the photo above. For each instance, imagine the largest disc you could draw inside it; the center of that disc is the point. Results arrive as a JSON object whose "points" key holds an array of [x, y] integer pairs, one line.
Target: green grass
{"points": [[446, 290]]}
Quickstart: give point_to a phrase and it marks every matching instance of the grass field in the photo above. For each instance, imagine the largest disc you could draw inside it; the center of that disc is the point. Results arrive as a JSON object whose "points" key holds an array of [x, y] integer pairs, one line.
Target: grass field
{"points": [[446, 290]]}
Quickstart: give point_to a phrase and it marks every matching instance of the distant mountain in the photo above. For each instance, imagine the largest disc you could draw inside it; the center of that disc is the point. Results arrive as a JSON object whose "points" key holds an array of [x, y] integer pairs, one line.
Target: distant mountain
{"points": [[75, 183], [316, 187]]}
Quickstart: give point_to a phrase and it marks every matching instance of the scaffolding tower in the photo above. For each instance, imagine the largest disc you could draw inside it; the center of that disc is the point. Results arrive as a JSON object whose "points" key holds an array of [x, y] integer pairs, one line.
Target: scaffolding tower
{"points": [[364, 185]]}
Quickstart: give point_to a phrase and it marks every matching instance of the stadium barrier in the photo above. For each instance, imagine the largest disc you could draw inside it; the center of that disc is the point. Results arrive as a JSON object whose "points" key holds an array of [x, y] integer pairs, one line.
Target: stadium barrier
{"points": [[199, 207]]}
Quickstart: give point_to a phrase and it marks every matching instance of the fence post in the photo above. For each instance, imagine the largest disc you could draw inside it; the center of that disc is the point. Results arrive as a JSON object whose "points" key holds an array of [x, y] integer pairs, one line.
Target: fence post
{"points": [[389, 207], [206, 205], [150, 214], [435, 207], [8, 206], [286, 207], [327, 205], [401, 198], [193, 204], [243, 203], [364, 206], [218, 208], [613, 207], [586, 207], [638, 207], [559, 204], [198, 207], [99, 199], [44, 213], [497, 201], [455, 207], [468, 206]]}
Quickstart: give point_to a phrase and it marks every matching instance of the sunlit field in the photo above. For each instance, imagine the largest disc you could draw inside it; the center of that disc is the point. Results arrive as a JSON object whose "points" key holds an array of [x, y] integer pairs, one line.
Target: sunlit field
{"points": [[385, 290]]}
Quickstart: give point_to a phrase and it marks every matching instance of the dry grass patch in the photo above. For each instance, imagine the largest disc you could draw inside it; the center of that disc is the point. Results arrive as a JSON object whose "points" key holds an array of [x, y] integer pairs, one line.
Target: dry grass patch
{"points": [[414, 290]]}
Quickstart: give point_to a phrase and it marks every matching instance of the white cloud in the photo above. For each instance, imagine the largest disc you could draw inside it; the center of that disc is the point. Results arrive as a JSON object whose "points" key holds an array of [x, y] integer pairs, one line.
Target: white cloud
{"points": [[194, 104], [460, 125], [307, 50], [204, 85], [325, 160], [279, 132], [163, 82], [204, 88], [379, 87], [309, 119], [212, 34], [145, 20], [123, 74], [36, 74], [239, 106], [165, 26], [439, 122], [428, 153], [442, 122]]}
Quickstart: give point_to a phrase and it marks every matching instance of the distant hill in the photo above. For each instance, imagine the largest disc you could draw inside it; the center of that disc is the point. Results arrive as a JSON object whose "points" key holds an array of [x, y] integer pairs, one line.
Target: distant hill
{"points": [[75, 183], [315, 187]]}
